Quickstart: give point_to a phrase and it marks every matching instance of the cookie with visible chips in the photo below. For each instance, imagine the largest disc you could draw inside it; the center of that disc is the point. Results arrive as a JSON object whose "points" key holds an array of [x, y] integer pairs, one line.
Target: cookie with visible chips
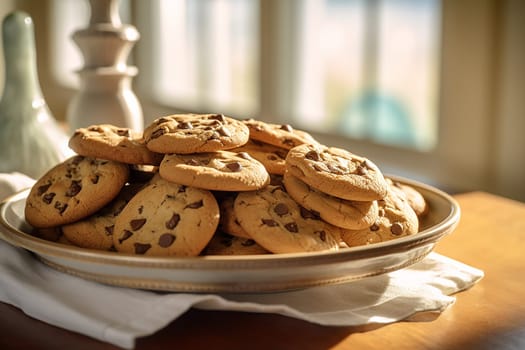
{"points": [[221, 171], [106, 141], [337, 172], [277, 223], [73, 190], [96, 231], [166, 219], [396, 219], [195, 133], [228, 221], [414, 197], [272, 157], [280, 135], [339, 212]]}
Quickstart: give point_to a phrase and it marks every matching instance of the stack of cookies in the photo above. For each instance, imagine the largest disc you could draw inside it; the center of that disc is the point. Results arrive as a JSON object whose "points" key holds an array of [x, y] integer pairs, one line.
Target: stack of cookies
{"points": [[208, 184]]}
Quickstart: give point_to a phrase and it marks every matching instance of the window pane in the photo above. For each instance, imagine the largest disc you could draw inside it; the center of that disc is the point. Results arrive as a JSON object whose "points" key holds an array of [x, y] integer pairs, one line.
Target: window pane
{"points": [[208, 55], [378, 67]]}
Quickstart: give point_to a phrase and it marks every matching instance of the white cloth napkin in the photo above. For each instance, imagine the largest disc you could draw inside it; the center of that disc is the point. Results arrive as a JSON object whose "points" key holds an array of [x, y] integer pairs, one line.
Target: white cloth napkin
{"points": [[120, 315]]}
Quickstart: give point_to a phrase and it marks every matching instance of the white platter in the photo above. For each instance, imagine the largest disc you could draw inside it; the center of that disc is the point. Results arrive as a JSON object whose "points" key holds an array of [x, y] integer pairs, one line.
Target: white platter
{"points": [[236, 274]]}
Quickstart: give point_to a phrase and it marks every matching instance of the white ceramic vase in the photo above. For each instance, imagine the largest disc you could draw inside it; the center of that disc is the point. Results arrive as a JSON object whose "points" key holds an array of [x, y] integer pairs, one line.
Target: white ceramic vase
{"points": [[105, 95]]}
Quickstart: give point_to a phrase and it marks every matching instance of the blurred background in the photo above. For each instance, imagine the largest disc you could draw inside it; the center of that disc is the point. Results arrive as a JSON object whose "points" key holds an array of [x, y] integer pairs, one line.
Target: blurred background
{"points": [[433, 90]]}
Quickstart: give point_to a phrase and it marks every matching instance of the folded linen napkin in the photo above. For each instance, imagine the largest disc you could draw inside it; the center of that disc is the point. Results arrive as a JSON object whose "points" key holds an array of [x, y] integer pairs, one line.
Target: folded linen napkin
{"points": [[103, 312]]}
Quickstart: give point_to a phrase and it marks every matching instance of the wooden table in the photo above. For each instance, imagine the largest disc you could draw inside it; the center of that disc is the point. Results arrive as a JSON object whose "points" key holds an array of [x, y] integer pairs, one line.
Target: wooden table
{"points": [[491, 315]]}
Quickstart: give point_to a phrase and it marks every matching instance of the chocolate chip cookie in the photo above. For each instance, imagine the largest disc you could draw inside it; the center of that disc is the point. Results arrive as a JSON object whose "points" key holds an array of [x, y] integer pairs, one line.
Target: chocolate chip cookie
{"points": [[396, 219], [96, 231], [73, 190], [166, 219], [272, 157], [337, 172], [336, 211], [221, 171], [194, 133], [106, 141], [280, 135], [277, 223]]}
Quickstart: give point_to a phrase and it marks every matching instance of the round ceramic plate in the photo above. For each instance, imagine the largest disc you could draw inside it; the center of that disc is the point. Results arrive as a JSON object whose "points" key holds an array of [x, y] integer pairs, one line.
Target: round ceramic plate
{"points": [[236, 274]]}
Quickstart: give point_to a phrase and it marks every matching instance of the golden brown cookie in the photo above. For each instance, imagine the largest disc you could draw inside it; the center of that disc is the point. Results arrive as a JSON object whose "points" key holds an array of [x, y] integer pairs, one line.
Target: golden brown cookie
{"points": [[107, 141], [277, 223], [195, 133], [272, 157], [166, 219], [339, 212], [96, 231], [414, 197], [396, 219], [221, 171], [280, 135], [337, 172], [228, 221], [73, 190]]}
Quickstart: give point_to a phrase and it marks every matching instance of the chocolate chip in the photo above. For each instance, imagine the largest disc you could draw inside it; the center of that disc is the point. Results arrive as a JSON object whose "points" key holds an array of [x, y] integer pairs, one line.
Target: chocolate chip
{"points": [[289, 142], [248, 243], [281, 209], [292, 227], [173, 221], [361, 170], [381, 212], [48, 198], [94, 179], [109, 230], [219, 117], [125, 236], [269, 222], [235, 167], [182, 189], [61, 207], [317, 167], [396, 228], [195, 205], [137, 224], [76, 160], [286, 127], [74, 188], [166, 239], [141, 248], [184, 126], [227, 241], [140, 209], [322, 235], [310, 214], [157, 133], [123, 132], [374, 227], [163, 120], [312, 155], [43, 189]]}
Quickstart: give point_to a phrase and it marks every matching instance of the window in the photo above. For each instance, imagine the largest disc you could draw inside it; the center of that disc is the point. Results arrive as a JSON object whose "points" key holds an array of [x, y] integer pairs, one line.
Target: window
{"points": [[419, 86], [206, 57]]}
